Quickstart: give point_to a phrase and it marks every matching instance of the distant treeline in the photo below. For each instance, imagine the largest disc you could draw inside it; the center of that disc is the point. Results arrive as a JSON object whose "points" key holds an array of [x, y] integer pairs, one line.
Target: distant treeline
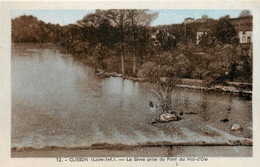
{"points": [[123, 41]]}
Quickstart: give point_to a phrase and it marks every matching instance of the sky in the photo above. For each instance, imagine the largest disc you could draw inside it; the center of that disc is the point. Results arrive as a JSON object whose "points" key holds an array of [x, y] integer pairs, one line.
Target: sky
{"points": [[64, 17]]}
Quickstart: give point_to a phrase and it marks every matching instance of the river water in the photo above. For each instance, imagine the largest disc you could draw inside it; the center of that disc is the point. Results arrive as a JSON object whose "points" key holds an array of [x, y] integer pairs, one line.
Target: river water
{"points": [[58, 101]]}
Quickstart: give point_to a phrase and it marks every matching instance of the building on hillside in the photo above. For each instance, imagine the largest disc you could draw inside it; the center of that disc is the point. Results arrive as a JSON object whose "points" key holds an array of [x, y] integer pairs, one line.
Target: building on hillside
{"points": [[154, 38], [244, 27], [203, 19], [199, 36], [188, 20], [245, 37], [201, 31]]}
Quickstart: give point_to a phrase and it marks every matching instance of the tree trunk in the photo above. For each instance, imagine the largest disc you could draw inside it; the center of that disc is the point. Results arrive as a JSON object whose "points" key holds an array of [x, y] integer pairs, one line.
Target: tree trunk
{"points": [[134, 38], [141, 54], [122, 47], [122, 61]]}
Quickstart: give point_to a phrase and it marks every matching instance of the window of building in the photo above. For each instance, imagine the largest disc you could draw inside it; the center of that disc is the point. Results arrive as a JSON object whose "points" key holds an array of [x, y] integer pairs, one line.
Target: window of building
{"points": [[248, 39], [243, 39]]}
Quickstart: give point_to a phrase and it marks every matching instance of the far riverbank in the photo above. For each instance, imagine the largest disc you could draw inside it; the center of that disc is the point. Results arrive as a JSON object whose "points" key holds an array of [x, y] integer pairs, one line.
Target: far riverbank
{"points": [[243, 89]]}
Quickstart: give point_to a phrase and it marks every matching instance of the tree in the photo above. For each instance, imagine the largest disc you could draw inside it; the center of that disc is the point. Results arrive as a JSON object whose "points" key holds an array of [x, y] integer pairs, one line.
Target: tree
{"points": [[119, 18], [246, 71], [144, 43], [182, 64], [139, 18], [96, 26], [233, 71], [225, 31], [164, 80], [25, 29], [93, 19], [98, 36], [245, 13], [30, 29]]}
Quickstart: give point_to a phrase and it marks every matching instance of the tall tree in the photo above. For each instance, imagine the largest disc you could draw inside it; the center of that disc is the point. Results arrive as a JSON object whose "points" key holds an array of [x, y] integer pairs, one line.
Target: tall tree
{"points": [[139, 18], [98, 26], [225, 31], [119, 18], [92, 19]]}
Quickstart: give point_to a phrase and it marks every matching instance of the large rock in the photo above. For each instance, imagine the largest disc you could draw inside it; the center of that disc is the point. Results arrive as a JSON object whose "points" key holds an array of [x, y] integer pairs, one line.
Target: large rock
{"points": [[236, 128], [168, 117]]}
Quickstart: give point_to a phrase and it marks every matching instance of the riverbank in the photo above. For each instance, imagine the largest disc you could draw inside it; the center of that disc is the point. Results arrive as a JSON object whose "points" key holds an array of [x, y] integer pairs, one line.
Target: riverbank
{"points": [[232, 87]]}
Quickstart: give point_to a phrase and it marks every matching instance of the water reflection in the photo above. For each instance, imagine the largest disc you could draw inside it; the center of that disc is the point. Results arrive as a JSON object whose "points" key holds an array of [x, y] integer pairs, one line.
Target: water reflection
{"points": [[204, 114], [118, 85], [113, 85], [244, 96]]}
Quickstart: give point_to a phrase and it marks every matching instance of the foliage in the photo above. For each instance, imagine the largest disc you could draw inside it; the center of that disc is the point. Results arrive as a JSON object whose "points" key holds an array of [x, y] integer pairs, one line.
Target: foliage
{"points": [[30, 29], [182, 65], [125, 40], [164, 81], [245, 13], [225, 32]]}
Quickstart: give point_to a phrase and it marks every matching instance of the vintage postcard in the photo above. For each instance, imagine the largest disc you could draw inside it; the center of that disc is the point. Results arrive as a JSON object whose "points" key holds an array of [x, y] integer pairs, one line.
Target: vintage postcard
{"points": [[129, 83]]}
